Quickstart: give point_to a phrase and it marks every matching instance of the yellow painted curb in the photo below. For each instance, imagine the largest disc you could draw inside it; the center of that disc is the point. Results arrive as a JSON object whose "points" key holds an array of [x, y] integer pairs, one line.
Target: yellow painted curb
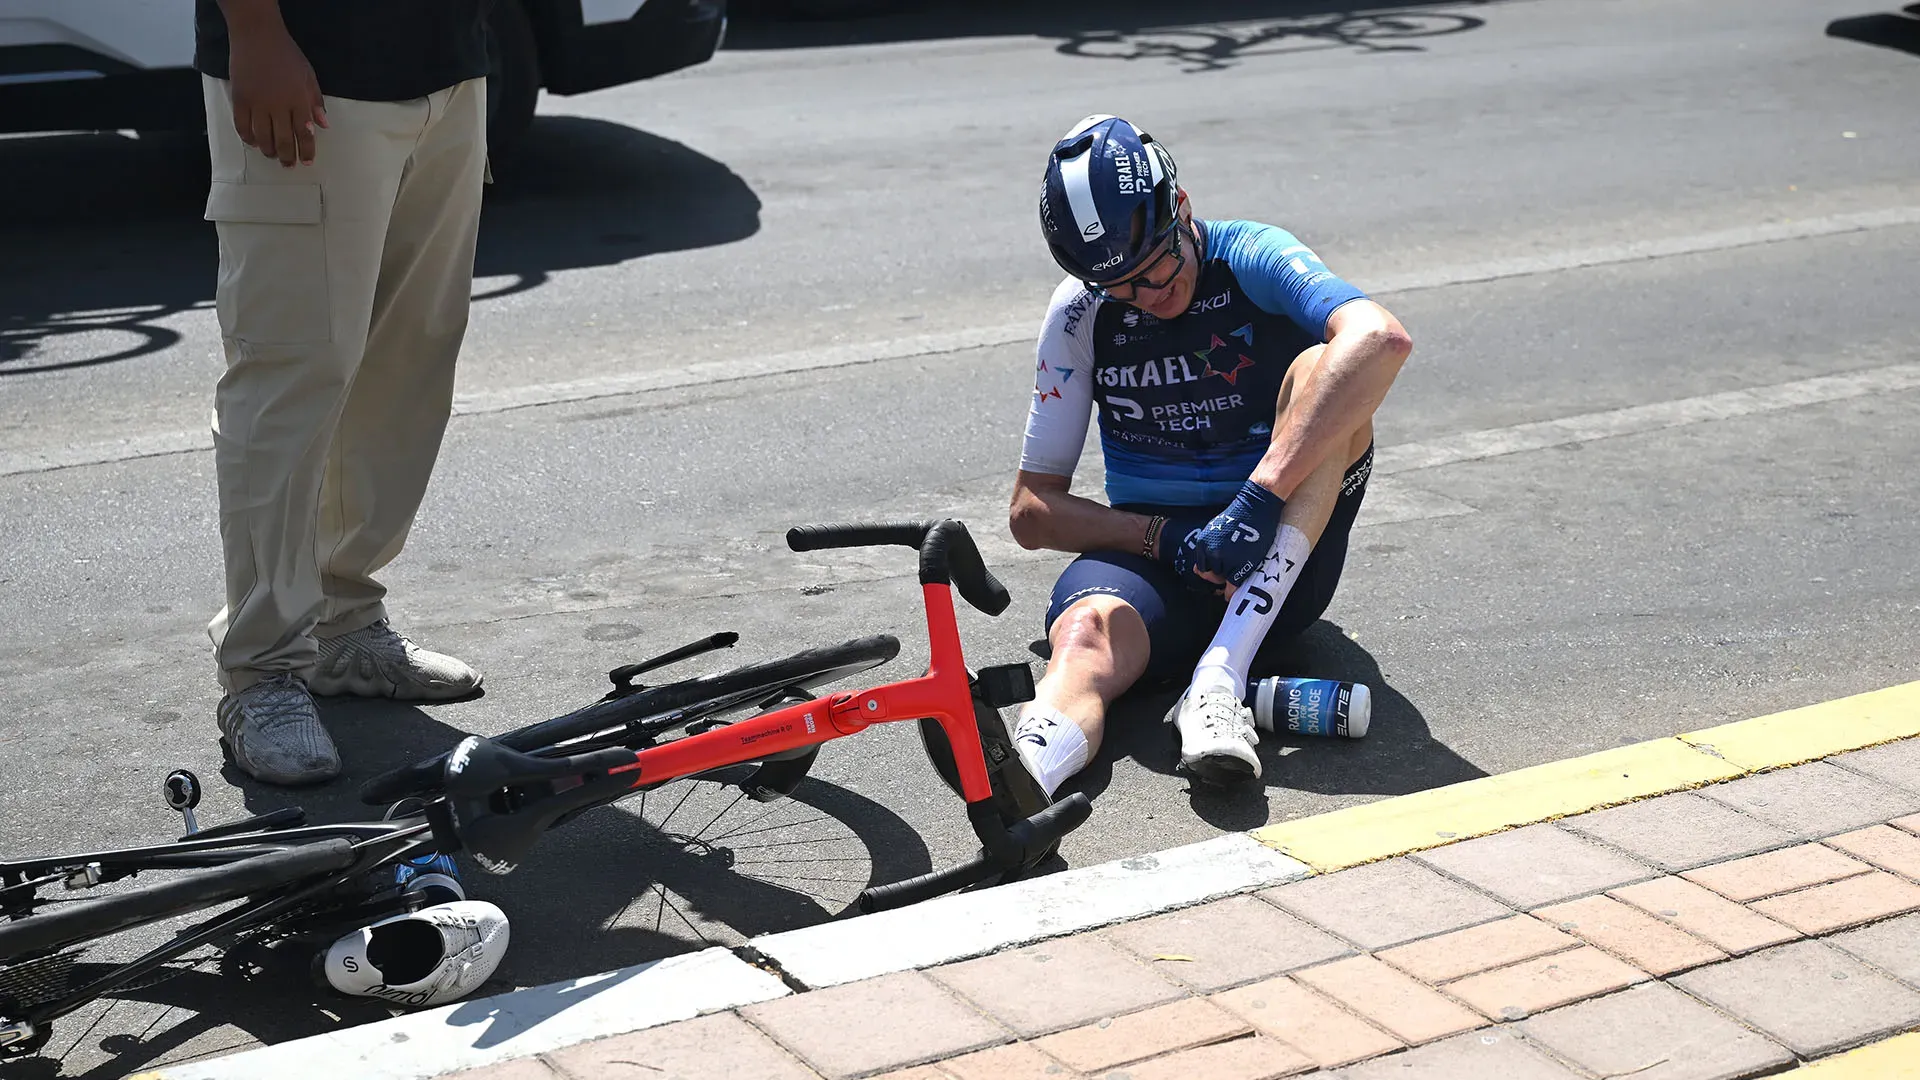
{"points": [[1446, 815], [1897, 1058], [1816, 731], [1428, 819]]}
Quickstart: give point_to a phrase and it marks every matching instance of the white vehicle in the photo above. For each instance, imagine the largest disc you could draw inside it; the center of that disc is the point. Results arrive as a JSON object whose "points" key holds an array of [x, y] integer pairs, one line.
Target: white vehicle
{"points": [[93, 65]]}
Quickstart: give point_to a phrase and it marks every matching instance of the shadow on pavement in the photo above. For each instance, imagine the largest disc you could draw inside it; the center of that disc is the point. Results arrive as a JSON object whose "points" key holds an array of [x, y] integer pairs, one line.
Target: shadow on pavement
{"points": [[101, 237], [1208, 35], [662, 872], [666, 872], [1885, 29], [1399, 754]]}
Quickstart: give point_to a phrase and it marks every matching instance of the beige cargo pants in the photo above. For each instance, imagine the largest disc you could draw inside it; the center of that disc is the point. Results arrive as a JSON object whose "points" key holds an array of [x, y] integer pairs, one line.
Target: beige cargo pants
{"points": [[342, 300]]}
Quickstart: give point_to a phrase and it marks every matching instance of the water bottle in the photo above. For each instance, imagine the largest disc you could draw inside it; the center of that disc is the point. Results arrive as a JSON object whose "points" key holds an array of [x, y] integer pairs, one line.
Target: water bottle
{"points": [[435, 877], [1312, 706]]}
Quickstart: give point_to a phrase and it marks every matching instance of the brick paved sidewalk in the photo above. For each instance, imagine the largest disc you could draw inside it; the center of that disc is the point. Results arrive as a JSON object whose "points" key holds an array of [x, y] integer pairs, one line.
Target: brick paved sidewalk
{"points": [[1723, 933]]}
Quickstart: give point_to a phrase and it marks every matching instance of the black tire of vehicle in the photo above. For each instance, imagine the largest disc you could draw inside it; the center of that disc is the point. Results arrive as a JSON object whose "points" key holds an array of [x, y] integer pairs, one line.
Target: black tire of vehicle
{"points": [[513, 84], [180, 895]]}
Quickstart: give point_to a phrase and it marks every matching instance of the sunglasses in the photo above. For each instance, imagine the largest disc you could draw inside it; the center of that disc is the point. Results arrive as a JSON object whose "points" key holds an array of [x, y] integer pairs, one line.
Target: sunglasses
{"points": [[1143, 279]]}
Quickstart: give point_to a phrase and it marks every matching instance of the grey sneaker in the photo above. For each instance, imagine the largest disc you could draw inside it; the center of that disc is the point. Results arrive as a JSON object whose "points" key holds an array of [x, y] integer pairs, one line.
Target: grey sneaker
{"points": [[375, 661], [272, 732]]}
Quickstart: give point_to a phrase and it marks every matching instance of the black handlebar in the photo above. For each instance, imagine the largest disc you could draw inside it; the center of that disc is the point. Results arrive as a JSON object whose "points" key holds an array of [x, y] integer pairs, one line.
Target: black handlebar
{"points": [[947, 554], [927, 886], [1005, 848]]}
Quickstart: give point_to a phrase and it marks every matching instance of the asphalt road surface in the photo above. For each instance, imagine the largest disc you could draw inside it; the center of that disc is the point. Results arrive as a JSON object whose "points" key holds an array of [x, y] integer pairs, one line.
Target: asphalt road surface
{"points": [[1649, 469]]}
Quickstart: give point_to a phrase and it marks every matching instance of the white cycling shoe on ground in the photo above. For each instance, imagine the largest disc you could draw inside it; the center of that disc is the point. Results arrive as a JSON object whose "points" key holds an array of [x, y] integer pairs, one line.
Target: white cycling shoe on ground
{"points": [[423, 958], [1217, 737]]}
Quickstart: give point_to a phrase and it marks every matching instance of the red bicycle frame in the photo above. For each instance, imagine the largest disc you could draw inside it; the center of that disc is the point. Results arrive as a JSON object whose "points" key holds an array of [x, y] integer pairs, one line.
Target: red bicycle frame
{"points": [[497, 834], [942, 694]]}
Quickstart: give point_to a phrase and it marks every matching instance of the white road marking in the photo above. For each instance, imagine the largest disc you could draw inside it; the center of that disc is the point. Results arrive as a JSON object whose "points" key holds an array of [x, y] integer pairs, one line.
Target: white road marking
{"points": [[16, 462]]}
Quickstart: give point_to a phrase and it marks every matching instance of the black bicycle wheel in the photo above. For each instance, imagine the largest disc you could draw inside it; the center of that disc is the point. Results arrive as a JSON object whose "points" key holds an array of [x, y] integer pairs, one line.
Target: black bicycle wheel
{"points": [[702, 695], [83, 920]]}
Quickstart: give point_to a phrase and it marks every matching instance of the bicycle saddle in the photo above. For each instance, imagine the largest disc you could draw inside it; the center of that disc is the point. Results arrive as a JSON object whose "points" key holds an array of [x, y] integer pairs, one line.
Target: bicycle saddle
{"points": [[501, 800]]}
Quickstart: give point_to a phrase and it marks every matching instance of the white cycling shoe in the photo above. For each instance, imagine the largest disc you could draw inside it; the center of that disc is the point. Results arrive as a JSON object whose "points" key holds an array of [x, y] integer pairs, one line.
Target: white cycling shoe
{"points": [[1217, 737], [427, 957]]}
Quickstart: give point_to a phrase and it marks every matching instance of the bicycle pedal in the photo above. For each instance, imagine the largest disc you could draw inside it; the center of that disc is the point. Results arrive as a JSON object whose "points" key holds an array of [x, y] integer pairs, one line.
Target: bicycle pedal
{"points": [[1006, 684]]}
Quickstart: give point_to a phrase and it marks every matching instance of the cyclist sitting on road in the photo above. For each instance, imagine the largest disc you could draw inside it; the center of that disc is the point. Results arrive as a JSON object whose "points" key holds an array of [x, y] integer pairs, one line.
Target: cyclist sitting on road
{"points": [[1235, 379]]}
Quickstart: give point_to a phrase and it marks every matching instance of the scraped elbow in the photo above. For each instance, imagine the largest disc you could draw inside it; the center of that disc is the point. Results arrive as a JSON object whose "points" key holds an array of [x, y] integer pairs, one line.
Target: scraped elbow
{"points": [[1393, 342]]}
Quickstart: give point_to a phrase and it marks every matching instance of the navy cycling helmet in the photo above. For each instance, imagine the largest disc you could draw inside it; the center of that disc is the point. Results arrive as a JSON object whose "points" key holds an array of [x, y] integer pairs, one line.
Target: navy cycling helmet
{"points": [[1108, 199]]}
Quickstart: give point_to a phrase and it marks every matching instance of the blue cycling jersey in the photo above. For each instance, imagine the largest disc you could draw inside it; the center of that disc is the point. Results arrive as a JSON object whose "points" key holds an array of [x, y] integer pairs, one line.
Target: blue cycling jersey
{"points": [[1186, 405]]}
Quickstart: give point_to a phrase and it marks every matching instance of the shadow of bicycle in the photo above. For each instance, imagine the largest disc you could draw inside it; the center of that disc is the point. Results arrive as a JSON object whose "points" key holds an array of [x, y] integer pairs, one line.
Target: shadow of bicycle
{"points": [[691, 864], [1889, 30], [1203, 48], [1214, 30], [688, 866]]}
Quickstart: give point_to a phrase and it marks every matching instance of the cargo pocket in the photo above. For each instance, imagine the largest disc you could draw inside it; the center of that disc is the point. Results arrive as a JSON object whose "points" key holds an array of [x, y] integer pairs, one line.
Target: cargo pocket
{"points": [[272, 288]]}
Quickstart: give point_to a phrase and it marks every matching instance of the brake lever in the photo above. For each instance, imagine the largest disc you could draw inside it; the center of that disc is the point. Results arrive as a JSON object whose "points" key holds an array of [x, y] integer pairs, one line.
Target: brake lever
{"points": [[622, 677]]}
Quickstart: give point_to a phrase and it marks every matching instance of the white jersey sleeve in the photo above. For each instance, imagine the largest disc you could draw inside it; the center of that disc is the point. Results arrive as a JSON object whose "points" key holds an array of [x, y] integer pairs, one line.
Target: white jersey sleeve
{"points": [[1062, 383]]}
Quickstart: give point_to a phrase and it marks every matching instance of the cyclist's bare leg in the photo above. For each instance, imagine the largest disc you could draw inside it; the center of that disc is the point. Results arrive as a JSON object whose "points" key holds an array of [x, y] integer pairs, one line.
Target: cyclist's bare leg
{"points": [[1310, 506], [1099, 650]]}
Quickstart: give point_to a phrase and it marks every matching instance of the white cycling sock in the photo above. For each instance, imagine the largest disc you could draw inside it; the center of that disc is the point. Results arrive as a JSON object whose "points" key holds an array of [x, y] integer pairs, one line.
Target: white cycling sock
{"points": [[1051, 744], [1250, 614]]}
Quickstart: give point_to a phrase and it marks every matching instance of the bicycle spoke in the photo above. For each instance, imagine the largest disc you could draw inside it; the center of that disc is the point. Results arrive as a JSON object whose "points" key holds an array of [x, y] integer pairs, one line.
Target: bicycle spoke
{"points": [[683, 918], [723, 813], [676, 808], [785, 843], [754, 820], [770, 828], [112, 1004]]}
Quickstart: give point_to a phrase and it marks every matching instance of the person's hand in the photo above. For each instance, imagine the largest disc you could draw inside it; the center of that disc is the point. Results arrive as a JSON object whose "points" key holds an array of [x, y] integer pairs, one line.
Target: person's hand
{"points": [[1231, 546], [1172, 549], [1174, 533], [276, 99]]}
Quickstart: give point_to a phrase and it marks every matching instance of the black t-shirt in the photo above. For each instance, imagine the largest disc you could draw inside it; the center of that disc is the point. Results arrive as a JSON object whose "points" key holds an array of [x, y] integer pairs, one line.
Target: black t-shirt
{"points": [[370, 50]]}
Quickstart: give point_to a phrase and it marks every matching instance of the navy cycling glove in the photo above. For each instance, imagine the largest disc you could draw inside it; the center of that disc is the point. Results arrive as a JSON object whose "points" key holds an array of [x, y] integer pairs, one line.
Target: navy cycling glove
{"points": [[1236, 541], [1173, 536]]}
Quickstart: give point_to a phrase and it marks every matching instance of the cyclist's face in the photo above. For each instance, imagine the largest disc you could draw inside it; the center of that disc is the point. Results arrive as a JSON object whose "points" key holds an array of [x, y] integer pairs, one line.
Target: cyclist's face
{"points": [[1178, 267], [1164, 285]]}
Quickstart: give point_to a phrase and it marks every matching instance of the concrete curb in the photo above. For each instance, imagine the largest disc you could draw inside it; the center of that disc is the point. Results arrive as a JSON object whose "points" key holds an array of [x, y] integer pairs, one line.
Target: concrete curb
{"points": [[486, 1031], [532, 1021], [974, 924]]}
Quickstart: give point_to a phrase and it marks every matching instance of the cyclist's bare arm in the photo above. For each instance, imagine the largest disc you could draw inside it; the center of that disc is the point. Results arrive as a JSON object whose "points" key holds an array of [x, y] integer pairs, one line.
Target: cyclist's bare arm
{"points": [[1366, 347], [1045, 514]]}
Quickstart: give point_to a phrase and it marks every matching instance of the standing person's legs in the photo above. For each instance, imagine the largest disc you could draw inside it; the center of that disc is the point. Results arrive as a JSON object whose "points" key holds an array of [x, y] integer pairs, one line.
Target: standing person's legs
{"points": [[300, 252], [396, 413]]}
